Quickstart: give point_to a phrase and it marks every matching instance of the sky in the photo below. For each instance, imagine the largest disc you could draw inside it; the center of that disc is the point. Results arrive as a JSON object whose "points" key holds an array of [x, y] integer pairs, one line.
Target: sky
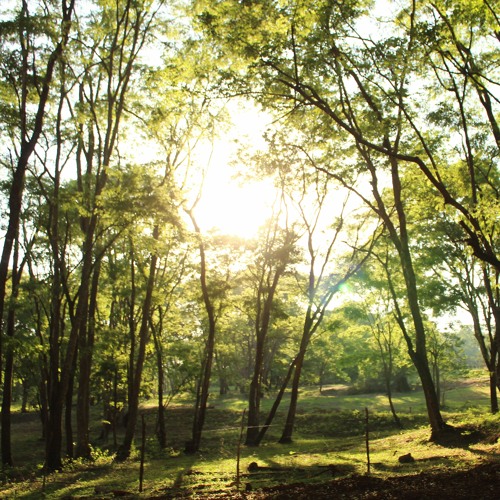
{"points": [[228, 204]]}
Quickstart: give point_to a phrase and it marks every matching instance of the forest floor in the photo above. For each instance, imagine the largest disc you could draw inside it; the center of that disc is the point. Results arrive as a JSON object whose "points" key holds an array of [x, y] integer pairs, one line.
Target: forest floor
{"points": [[328, 458], [481, 482]]}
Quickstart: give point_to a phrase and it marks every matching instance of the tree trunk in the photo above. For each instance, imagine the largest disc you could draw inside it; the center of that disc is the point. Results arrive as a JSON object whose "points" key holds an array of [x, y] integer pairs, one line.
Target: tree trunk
{"points": [[437, 424], [397, 420], [161, 427], [417, 348], [199, 419], [6, 443], [262, 324], [490, 356], [203, 392], [204, 383], [254, 395], [6, 408], [57, 389], [493, 393], [24, 401], [68, 415], [223, 383], [53, 438], [286, 436], [388, 381], [86, 348], [277, 401], [133, 403]]}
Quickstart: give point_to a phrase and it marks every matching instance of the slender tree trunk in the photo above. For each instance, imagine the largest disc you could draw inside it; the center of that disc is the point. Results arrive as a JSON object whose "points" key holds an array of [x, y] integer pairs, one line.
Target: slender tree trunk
{"points": [[161, 424], [286, 436], [437, 424], [53, 438], [87, 334], [267, 290], [115, 407], [203, 389], [82, 443], [276, 404], [223, 383], [6, 443], [162, 431], [6, 407], [489, 356], [24, 401], [57, 389], [493, 360], [388, 388], [68, 414], [43, 405], [133, 404], [397, 420], [387, 366], [254, 395], [494, 382], [203, 393]]}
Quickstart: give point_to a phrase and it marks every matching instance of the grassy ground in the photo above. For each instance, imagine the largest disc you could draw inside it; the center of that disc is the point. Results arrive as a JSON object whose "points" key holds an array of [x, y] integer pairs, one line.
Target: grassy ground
{"points": [[329, 442]]}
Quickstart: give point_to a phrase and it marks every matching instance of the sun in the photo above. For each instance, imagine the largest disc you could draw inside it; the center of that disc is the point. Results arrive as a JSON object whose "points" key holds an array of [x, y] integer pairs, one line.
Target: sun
{"points": [[228, 205], [231, 208]]}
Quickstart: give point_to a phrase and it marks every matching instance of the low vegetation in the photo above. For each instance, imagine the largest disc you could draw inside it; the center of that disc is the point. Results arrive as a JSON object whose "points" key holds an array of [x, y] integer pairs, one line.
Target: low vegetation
{"points": [[329, 450]]}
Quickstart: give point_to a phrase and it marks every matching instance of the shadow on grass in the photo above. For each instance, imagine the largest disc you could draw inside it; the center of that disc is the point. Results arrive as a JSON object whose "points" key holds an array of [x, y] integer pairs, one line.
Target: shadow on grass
{"points": [[459, 437], [274, 472]]}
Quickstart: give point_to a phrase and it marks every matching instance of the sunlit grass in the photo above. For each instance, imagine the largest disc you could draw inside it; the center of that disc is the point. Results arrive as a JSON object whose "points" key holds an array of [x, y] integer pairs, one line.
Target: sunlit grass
{"points": [[329, 442]]}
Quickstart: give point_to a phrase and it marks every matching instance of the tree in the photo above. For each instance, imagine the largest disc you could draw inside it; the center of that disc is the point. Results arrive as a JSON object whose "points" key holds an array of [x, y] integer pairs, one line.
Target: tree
{"points": [[275, 254], [311, 195], [27, 85], [112, 41], [357, 87], [23, 77], [443, 255]]}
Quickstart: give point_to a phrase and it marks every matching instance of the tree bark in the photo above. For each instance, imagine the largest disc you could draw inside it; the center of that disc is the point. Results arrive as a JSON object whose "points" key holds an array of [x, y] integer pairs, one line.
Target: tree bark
{"points": [[68, 416], [262, 327], [286, 436], [277, 401], [133, 403], [203, 389], [86, 348], [161, 424]]}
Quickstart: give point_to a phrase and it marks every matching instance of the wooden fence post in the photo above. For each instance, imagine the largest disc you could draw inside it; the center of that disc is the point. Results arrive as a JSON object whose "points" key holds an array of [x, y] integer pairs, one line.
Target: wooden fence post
{"points": [[238, 450], [143, 451], [367, 440]]}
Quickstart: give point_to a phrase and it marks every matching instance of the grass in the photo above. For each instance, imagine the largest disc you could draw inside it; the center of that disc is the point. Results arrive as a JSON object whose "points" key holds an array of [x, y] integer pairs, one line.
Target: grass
{"points": [[329, 441]]}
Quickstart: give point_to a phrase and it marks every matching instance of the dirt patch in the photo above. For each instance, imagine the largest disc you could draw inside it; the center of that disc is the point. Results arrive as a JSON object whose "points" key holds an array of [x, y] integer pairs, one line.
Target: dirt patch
{"points": [[480, 482]]}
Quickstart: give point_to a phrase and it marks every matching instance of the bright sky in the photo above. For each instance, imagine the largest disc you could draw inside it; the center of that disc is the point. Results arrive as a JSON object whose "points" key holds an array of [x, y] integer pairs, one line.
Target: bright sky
{"points": [[232, 208], [228, 204]]}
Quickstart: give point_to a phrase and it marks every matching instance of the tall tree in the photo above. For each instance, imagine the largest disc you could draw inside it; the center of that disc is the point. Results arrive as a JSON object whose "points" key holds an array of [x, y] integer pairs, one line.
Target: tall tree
{"points": [[362, 84], [111, 40], [29, 81], [311, 195], [275, 254]]}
